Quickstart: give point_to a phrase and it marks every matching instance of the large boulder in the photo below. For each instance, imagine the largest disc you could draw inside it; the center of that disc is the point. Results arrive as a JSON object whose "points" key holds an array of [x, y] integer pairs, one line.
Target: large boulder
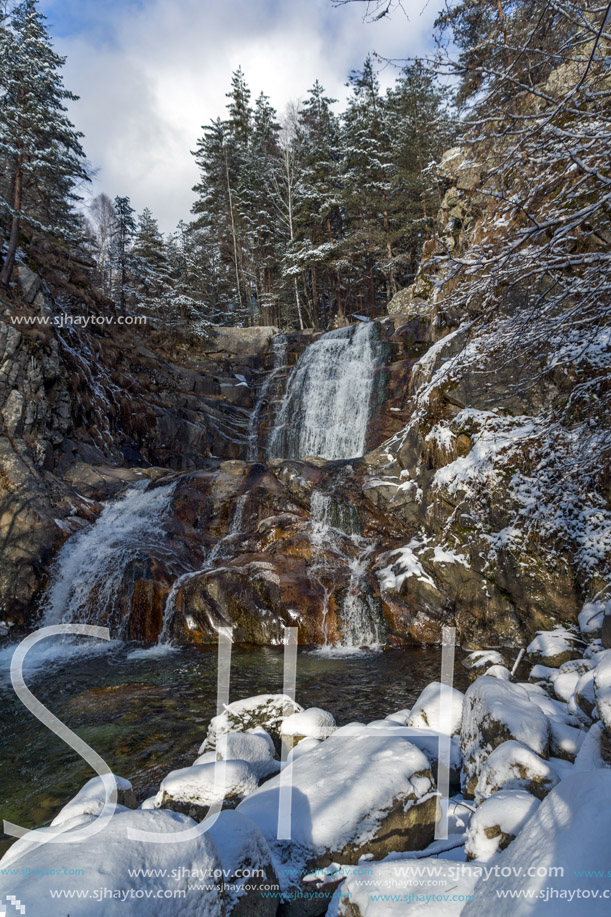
{"points": [[494, 712], [514, 766], [568, 836], [439, 707], [192, 790], [357, 794], [110, 864]]}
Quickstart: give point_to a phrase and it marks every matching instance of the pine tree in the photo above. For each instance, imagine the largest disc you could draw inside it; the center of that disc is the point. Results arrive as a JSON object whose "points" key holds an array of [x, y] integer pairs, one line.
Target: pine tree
{"points": [[122, 239], [367, 180], [39, 147], [149, 259]]}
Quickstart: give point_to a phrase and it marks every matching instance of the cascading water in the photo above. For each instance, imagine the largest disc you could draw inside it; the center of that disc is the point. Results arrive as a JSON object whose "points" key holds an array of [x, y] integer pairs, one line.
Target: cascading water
{"points": [[279, 351], [332, 522], [90, 567], [327, 404]]}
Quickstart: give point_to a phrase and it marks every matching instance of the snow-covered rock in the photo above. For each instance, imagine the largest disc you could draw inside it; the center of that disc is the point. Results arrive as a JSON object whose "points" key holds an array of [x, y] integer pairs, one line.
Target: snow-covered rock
{"points": [[568, 834], [478, 661], [244, 851], [584, 695], [589, 757], [497, 822], [400, 716], [439, 707], [515, 766], [499, 671], [564, 685], [493, 712], [313, 723], [591, 618], [301, 749], [91, 798], [602, 687], [542, 674], [565, 740], [264, 710], [406, 886], [194, 789], [106, 860], [355, 794], [250, 747], [552, 647]]}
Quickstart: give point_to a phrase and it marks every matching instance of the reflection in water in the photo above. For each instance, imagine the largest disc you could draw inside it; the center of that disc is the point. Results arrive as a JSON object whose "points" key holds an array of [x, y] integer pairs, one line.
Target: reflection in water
{"points": [[147, 714]]}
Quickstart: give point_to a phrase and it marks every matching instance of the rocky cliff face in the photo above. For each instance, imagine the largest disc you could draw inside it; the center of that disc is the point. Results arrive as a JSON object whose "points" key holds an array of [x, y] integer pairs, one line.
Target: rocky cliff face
{"points": [[472, 505]]}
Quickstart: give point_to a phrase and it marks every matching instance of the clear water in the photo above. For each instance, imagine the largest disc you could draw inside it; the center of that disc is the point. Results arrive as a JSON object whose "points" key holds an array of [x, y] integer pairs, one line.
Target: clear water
{"points": [[146, 711]]}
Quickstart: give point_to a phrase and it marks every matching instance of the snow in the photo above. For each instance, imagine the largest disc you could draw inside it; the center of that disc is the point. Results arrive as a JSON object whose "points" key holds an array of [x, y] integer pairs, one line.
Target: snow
{"points": [[206, 784], [407, 564], [481, 659], [591, 617], [551, 643], [90, 800], [494, 709], [589, 757], [499, 671], [496, 435], [244, 746], [105, 860], [439, 707], [264, 710], [342, 789], [508, 810], [313, 723], [514, 766], [427, 887], [241, 847], [566, 740], [602, 687], [300, 749], [564, 685], [569, 832], [446, 556]]}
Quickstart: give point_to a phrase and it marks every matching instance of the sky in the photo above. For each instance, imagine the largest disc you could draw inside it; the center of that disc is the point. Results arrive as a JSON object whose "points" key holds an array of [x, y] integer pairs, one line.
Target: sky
{"points": [[150, 73]]}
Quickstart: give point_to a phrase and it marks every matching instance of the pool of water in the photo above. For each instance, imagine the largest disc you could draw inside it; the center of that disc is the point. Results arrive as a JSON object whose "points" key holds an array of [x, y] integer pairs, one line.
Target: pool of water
{"points": [[146, 713]]}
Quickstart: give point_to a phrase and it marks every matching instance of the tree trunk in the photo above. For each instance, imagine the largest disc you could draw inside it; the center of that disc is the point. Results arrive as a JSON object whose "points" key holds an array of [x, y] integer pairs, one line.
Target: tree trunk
{"points": [[9, 261]]}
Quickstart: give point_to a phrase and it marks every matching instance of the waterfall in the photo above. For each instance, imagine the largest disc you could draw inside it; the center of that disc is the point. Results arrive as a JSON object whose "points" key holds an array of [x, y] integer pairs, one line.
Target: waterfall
{"points": [[279, 348], [327, 404], [91, 565], [332, 522]]}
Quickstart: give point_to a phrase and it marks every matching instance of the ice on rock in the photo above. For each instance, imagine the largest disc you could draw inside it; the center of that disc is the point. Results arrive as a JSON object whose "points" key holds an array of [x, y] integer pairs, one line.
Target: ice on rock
{"points": [[439, 707], [205, 784], [408, 882], [493, 712], [515, 766], [106, 860], [91, 799], [250, 747], [497, 822], [243, 852], [568, 834], [354, 794], [266, 711], [313, 723], [552, 647]]}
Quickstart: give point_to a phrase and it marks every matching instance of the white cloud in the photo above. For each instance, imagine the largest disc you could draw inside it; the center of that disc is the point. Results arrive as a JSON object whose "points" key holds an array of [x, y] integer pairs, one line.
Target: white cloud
{"points": [[163, 68]]}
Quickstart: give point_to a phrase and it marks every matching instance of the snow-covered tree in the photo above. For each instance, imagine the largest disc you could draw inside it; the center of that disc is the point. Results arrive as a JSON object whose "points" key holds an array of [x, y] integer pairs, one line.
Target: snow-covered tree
{"points": [[40, 150]]}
